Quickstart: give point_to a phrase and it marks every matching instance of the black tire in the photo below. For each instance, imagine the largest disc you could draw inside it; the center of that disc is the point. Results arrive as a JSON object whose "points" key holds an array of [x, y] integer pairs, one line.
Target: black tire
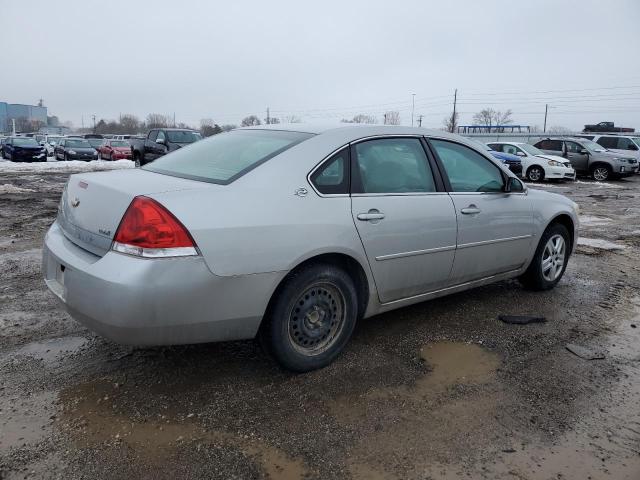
{"points": [[535, 277], [311, 318], [601, 172], [535, 173], [137, 160], [66, 157]]}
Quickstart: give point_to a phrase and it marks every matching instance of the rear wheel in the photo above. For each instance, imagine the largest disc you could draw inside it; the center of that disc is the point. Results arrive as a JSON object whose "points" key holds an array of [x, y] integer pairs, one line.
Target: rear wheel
{"points": [[600, 173], [136, 160], [550, 260], [311, 318], [535, 173]]}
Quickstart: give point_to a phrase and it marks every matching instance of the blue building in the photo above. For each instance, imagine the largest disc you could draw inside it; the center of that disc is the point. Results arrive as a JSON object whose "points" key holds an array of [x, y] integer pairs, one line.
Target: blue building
{"points": [[15, 111]]}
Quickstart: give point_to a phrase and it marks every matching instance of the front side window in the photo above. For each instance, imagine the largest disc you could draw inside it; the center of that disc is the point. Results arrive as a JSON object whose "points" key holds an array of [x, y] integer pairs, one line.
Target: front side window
{"points": [[333, 176], [183, 136], [392, 165], [468, 171], [513, 150], [227, 156], [626, 144], [573, 147], [153, 135]]}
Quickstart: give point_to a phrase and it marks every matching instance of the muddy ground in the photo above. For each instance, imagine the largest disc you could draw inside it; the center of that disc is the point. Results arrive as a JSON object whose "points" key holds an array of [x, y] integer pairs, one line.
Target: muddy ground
{"points": [[440, 390]]}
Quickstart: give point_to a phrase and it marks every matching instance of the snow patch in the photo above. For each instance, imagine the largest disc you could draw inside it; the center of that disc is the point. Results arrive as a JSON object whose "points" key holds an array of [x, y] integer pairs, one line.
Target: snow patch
{"points": [[9, 188], [599, 243], [599, 184], [591, 221], [545, 185], [72, 166]]}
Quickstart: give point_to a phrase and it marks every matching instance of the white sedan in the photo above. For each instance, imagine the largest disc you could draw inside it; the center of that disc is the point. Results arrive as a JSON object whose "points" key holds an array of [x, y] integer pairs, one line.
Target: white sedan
{"points": [[537, 165]]}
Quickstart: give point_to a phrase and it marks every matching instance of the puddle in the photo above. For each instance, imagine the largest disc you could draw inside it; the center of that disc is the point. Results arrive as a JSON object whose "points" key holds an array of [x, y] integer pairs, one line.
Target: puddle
{"points": [[91, 416], [25, 420], [50, 350], [450, 364]]}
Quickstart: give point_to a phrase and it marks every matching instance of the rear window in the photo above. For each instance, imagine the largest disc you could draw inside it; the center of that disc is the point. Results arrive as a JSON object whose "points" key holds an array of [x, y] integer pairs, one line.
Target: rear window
{"points": [[227, 156]]}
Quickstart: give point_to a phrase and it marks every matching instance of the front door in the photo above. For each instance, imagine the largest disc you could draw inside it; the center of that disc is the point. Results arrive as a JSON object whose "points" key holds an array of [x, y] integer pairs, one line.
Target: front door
{"points": [[407, 225], [494, 227], [580, 161]]}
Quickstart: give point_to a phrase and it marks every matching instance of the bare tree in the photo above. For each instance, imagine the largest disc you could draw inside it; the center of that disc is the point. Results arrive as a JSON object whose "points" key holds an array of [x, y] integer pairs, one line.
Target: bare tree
{"points": [[291, 119], [250, 121], [451, 123], [208, 127], [490, 117], [129, 124], [392, 117], [157, 120], [361, 118], [228, 127], [558, 130]]}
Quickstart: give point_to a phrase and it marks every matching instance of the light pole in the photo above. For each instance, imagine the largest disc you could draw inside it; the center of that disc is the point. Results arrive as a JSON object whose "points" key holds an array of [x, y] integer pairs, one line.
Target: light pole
{"points": [[546, 110], [413, 106]]}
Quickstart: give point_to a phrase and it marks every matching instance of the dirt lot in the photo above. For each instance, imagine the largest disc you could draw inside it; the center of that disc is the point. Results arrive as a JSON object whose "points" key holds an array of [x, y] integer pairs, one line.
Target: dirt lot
{"points": [[439, 390]]}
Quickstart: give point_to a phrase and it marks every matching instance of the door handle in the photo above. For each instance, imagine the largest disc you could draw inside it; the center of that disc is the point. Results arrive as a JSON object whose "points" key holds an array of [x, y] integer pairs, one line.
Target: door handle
{"points": [[470, 210], [371, 215]]}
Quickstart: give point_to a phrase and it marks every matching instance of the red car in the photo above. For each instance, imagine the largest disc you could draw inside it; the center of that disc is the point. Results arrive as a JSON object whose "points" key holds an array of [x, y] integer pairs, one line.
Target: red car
{"points": [[115, 150]]}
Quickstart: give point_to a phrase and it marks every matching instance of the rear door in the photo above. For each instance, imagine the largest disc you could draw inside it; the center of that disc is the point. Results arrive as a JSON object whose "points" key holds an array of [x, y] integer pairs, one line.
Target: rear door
{"points": [[494, 228], [405, 219]]}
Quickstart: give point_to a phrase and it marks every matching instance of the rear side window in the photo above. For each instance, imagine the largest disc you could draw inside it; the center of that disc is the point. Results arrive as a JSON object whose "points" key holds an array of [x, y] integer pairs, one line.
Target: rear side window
{"points": [[227, 156], [468, 171], [608, 142], [555, 145], [333, 176], [392, 165]]}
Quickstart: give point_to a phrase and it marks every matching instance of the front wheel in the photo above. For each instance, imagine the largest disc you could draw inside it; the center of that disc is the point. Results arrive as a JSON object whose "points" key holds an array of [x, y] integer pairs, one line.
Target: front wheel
{"points": [[601, 173], [535, 173], [312, 318], [550, 260]]}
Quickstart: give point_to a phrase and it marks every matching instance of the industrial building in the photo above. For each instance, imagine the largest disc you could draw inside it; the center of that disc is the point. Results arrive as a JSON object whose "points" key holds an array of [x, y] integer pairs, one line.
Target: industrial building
{"points": [[15, 111]]}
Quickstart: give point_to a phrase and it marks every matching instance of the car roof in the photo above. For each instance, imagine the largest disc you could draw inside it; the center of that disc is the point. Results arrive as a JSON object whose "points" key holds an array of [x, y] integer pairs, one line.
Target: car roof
{"points": [[358, 130]]}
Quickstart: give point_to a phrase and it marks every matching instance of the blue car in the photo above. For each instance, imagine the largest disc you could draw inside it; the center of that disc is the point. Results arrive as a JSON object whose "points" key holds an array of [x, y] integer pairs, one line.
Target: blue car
{"points": [[514, 162], [23, 149]]}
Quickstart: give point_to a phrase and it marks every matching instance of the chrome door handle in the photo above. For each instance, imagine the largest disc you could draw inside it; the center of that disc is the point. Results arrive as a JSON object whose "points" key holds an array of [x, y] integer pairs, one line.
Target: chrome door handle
{"points": [[372, 215], [470, 210]]}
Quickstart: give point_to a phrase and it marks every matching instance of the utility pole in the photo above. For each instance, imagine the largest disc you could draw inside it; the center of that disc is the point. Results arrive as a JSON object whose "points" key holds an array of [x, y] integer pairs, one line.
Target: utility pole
{"points": [[420, 120], [94, 123], [453, 115], [413, 106], [268, 119], [13, 123], [385, 119], [82, 121], [546, 109], [174, 119]]}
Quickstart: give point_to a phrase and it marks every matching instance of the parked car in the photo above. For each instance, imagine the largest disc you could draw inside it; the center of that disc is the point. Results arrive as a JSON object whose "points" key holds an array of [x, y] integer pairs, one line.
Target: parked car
{"points": [[295, 235], [115, 150], [95, 142], [537, 165], [23, 149], [608, 127], [160, 141], [590, 158], [71, 148], [626, 145], [512, 162], [49, 143]]}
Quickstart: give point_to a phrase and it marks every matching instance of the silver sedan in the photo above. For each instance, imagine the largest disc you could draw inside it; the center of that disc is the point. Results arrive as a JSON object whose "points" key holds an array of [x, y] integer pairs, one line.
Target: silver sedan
{"points": [[293, 234]]}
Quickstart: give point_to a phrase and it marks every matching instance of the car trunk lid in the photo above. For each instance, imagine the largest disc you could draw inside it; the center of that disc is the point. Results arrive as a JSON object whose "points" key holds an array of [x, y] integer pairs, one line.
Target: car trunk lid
{"points": [[93, 204]]}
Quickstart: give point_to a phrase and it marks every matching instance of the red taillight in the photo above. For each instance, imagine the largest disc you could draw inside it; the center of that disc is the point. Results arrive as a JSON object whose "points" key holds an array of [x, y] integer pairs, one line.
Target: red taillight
{"points": [[148, 229]]}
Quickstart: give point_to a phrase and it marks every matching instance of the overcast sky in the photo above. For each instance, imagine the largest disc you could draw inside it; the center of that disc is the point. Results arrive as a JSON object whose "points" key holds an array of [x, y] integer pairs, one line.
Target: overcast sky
{"points": [[332, 59]]}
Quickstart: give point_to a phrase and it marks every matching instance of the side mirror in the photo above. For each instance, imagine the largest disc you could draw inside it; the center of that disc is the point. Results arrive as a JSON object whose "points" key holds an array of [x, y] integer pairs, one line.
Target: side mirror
{"points": [[513, 185], [161, 141], [584, 151]]}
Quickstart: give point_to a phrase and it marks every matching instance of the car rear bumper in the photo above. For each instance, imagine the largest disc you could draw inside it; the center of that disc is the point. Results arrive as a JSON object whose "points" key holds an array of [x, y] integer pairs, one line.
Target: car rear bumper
{"points": [[142, 301]]}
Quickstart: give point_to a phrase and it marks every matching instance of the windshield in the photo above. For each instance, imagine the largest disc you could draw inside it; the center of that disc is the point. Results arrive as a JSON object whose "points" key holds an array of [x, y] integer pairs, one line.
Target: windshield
{"points": [[119, 143], [225, 157], [95, 142], [592, 146], [53, 139], [182, 136], [79, 143], [25, 142], [530, 149]]}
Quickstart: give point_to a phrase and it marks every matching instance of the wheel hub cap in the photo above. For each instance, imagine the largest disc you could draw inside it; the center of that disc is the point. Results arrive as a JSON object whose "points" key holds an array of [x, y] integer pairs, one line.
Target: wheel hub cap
{"points": [[553, 258]]}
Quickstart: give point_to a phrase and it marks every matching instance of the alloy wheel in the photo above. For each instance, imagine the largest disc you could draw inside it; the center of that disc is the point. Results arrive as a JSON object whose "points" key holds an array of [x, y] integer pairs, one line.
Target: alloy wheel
{"points": [[600, 173], [553, 258], [535, 174], [317, 318]]}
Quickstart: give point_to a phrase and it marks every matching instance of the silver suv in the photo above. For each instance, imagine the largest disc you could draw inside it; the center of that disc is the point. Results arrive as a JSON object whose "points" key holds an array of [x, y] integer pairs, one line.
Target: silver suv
{"points": [[627, 145], [590, 158]]}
